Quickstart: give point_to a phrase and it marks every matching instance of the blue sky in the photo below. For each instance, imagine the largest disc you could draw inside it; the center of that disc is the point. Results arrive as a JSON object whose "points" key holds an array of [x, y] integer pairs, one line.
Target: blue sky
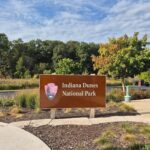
{"points": [[81, 20]]}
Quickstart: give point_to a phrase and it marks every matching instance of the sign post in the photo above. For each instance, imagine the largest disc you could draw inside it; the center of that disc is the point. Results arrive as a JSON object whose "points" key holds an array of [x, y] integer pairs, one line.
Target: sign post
{"points": [[72, 91]]}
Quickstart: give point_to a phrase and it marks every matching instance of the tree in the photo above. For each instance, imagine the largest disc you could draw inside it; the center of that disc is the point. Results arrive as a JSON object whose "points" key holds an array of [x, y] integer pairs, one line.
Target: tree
{"points": [[17, 49], [4, 55], [20, 68], [145, 76], [68, 66], [84, 52], [123, 57]]}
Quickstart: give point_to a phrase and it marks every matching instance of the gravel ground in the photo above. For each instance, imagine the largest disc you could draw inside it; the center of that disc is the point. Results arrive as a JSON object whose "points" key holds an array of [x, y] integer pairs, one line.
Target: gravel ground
{"points": [[71, 137]]}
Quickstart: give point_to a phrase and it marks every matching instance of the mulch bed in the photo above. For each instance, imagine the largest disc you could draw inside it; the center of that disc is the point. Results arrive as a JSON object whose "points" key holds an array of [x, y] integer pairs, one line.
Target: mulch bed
{"points": [[73, 137], [60, 113]]}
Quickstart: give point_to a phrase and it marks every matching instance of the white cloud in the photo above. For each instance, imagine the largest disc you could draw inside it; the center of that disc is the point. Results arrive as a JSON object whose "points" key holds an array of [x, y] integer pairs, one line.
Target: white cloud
{"points": [[74, 20]]}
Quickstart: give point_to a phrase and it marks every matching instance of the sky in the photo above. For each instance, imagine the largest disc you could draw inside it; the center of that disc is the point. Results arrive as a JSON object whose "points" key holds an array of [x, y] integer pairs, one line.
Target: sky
{"points": [[81, 20]]}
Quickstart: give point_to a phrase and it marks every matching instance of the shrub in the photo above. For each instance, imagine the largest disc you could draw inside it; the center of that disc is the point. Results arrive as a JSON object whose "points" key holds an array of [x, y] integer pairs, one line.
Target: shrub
{"points": [[32, 101], [129, 137], [139, 94], [125, 108], [105, 137], [105, 140], [145, 129], [27, 100], [129, 128], [115, 95], [15, 110], [21, 100], [6, 102]]}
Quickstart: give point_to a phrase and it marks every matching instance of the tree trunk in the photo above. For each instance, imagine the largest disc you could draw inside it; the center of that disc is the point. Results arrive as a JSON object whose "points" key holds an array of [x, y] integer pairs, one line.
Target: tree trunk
{"points": [[123, 85]]}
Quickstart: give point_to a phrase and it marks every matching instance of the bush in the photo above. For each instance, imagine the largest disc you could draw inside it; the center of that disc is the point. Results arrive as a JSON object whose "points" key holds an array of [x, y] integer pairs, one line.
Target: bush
{"points": [[6, 102], [27, 100], [15, 110], [125, 108], [21, 100], [32, 101], [115, 95], [139, 94]]}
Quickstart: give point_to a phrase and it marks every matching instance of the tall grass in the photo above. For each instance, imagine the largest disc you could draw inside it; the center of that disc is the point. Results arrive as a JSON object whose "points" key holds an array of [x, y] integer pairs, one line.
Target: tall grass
{"points": [[26, 99], [13, 84]]}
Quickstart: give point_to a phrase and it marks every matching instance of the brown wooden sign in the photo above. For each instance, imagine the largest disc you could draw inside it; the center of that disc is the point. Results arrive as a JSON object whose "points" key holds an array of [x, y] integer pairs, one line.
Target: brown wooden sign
{"points": [[68, 91]]}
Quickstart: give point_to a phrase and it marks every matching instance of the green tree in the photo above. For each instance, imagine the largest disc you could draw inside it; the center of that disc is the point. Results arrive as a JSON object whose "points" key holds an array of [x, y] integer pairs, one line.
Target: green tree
{"points": [[27, 74], [20, 68], [84, 52], [123, 57], [18, 48], [68, 66], [145, 76], [4, 55]]}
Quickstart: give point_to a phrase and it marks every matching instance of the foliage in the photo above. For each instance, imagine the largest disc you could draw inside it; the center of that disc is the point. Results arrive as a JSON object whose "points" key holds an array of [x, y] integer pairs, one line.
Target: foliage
{"points": [[128, 134], [105, 140], [21, 100], [6, 102], [145, 76], [125, 108], [139, 94], [120, 107], [32, 101], [27, 74], [25, 59], [27, 100], [129, 137], [47, 72], [15, 110], [4, 55], [123, 57], [117, 95], [128, 128], [68, 66]]}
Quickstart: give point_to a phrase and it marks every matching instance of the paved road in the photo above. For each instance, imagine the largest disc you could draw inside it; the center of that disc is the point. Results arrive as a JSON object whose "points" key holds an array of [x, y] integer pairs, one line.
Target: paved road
{"points": [[142, 107], [14, 138]]}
